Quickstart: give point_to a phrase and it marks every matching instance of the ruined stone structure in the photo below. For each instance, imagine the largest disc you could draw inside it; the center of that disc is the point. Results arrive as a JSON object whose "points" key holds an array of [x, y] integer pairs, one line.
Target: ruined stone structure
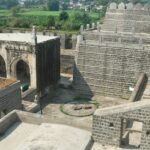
{"points": [[67, 45], [10, 96], [110, 58], [123, 125], [31, 59]]}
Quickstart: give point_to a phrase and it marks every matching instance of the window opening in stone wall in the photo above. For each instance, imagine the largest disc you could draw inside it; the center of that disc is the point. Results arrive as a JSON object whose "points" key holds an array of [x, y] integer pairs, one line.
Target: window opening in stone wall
{"points": [[147, 133], [111, 125], [131, 132]]}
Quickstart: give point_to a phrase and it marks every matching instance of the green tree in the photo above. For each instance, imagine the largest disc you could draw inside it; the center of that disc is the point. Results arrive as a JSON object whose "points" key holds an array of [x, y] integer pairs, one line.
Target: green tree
{"points": [[53, 5], [15, 10], [51, 21], [63, 16], [8, 3], [64, 6], [77, 19]]}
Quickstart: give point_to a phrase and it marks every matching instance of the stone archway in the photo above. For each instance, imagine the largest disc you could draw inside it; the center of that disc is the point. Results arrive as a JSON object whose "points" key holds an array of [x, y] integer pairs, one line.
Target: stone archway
{"points": [[23, 72], [2, 67]]}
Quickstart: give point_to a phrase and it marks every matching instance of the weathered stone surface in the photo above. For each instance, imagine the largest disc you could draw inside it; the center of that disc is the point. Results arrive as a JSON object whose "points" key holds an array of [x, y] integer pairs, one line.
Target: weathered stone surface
{"points": [[113, 6], [108, 123], [10, 98], [138, 6], [42, 59], [147, 7], [28, 131], [129, 6], [121, 6], [108, 62]]}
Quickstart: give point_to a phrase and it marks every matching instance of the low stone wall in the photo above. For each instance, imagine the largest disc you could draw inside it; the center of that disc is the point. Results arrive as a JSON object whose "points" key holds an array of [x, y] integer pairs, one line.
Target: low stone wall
{"points": [[10, 98], [68, 41], [7, 121], [108, 123], [139, 88]]}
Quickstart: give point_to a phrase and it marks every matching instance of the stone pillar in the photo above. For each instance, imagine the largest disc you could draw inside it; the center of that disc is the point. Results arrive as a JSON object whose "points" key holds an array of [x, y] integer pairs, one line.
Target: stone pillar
{"points": [[33, 71], [87, 27], [81, 28], [63, 41], [93, 25], [98, 27], [34, 36], [74, 41], [79, 39]]}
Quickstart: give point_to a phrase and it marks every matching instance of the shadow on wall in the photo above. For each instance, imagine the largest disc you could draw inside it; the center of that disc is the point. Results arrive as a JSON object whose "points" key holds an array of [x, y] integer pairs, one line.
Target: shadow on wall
{"points": [[81, 87]]}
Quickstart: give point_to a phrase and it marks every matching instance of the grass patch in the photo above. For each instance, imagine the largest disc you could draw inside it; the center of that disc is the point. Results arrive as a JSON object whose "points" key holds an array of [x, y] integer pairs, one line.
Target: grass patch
{"points": [[88, 100], [40, 13], [4, 12], [62, 110]]}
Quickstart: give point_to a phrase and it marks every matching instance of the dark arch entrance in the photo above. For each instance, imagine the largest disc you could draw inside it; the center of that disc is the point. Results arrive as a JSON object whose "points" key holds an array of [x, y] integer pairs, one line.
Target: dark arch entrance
{"points": [[23, 72], [2, 67]]}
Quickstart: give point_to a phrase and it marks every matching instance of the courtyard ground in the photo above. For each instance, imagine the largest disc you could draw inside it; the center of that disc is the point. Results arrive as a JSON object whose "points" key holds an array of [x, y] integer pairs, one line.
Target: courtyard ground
{"points": [[51, 108]]}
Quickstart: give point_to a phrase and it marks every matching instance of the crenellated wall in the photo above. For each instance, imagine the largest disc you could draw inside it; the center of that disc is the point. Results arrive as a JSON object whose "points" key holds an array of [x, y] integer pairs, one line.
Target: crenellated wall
{"points": [[109, 61], [127, 18], [110, 68]]}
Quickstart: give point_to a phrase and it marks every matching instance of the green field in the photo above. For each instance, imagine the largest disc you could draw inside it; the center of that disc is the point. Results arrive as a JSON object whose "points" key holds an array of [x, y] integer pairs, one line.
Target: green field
{"points": [[5, 13], [40, 13], [53, 13], [40, 18], [33, 12]]}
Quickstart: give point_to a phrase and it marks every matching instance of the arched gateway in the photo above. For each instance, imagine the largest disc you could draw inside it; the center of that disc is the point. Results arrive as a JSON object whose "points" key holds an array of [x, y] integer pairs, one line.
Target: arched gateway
{"points": [[2, 67], [23, 72], [32, 59]]}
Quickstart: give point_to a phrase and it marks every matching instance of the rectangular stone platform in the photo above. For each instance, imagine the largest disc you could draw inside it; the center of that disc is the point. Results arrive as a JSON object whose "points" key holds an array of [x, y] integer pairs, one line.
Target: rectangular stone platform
{"points": [[26, 131]]}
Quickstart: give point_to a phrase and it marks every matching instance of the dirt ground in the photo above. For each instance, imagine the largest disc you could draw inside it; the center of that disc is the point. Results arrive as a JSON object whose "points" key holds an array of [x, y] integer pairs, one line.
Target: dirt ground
{"points": [[51, 107]]}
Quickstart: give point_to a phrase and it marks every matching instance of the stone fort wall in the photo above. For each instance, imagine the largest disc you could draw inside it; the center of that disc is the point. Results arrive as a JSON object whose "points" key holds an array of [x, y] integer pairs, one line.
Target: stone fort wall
{"points": [[109, 69], [127, 18], [108, 123], [109, 62]]}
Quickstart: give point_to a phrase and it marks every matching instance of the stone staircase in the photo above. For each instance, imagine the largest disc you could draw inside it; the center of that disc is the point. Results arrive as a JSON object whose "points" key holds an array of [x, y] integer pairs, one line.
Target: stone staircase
{"points": [[146, 94]]}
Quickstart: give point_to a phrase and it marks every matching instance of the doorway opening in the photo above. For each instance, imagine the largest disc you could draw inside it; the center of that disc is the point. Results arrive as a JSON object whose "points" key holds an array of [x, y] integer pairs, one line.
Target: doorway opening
{"points": [[23, 72], [131, 132]]}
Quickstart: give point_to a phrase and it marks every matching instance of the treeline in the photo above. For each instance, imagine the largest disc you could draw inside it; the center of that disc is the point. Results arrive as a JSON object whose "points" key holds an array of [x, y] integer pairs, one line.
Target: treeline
{"points": [[106, 2], [8, 3], [62, 22]]}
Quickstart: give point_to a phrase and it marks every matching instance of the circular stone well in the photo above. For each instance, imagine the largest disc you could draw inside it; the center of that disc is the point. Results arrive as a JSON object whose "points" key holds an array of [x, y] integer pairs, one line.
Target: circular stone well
{"points": [[79, 109]]}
